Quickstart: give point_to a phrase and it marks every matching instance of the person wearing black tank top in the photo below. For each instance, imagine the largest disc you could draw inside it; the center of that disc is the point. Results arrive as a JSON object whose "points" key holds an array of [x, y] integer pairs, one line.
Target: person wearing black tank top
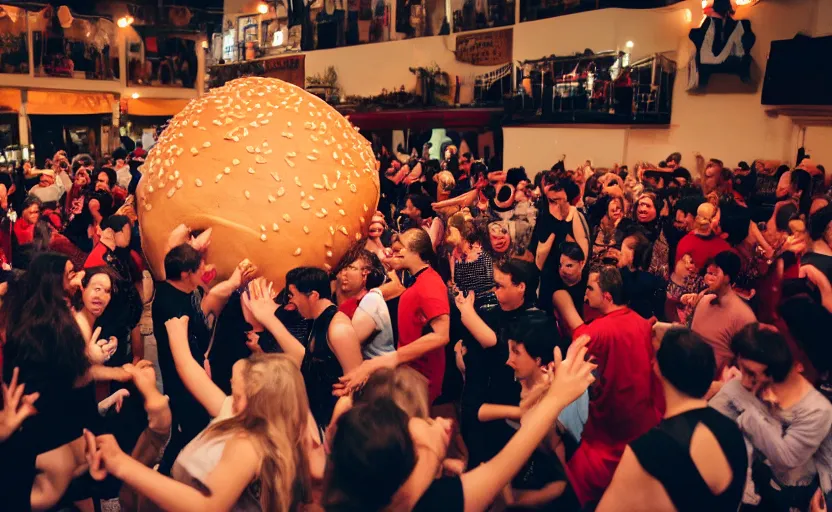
{"points": [[333, 348], [695, 459]]}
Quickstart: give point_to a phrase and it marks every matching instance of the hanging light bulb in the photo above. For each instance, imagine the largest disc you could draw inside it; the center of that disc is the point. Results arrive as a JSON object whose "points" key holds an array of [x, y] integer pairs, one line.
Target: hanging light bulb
{"points": [[122, 22]]}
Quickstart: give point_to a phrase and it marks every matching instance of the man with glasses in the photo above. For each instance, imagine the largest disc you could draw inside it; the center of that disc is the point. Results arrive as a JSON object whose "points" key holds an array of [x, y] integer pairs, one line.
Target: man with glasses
{"points": [[357, 279]]}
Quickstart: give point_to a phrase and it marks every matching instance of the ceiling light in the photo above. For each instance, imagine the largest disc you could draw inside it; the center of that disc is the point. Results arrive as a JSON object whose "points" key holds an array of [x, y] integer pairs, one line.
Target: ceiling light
{"points": [[629, 44], [263, 8], [135, 96]]}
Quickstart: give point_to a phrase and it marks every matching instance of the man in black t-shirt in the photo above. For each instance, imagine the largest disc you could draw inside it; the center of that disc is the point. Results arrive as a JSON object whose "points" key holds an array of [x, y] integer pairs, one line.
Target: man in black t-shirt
{"points": [[488, 381], [181, 295]]}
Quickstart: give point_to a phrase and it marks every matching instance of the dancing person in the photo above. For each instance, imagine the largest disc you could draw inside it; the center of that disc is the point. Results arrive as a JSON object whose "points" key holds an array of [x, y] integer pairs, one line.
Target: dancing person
{"points": [[705, 449]]}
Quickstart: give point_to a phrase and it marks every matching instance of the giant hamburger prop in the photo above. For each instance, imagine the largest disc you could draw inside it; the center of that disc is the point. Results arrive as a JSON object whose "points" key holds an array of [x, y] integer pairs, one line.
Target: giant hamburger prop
{"points": [[280, 176]]}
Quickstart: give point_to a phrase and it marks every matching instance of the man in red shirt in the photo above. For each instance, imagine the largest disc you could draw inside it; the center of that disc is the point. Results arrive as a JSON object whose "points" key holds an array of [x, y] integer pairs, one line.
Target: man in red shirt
{"points": [[702, 243], [424, 316], [626, 400]]}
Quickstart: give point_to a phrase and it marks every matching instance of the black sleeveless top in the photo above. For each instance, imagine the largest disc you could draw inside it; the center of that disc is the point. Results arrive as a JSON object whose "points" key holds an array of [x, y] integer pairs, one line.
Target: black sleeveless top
{"points": [[664, 453], [321, 369]]}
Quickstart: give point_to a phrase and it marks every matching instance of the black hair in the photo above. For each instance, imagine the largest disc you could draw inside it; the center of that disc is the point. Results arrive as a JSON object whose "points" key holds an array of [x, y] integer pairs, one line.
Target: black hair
{"points": [[308, 280], [31, 200], [422, 203], [785, 214], [764, 346], [182, 258], [819, 221], [420, 243], [42, 336], [111, 176], [675, 157], [688, 204], [802, 181], [681, 172], [686, 361], [572, 251], [478, 169], [728, 262], [372, 456], [538, 334], [642, 250], [515, 175], [521, 271], [119, 154], [610, 281], [734, 220], [115, 222], [809, 323]]}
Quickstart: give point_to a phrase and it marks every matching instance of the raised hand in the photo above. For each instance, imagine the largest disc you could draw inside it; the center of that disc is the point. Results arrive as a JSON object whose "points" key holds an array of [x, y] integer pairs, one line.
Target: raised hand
{"points": [[116, 399], [573, 375], [433, 435], [259, 299], [16, 406], [244, 273]]}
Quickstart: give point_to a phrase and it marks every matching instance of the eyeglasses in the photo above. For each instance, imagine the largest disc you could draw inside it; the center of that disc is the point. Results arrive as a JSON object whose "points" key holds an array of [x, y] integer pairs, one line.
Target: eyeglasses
{"points": [[497, 229], [355, 268]]}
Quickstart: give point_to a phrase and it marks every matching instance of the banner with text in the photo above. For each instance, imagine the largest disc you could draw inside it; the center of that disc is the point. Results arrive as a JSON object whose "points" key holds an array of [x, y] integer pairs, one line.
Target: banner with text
{"points": [[485, 48]]}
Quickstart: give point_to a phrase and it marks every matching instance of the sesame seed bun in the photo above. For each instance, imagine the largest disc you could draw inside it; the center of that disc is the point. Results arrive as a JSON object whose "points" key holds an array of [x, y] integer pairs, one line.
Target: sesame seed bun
{"points": [[281, 177]]}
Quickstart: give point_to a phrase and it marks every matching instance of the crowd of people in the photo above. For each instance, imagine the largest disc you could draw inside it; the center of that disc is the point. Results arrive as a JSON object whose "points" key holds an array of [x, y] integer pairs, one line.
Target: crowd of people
{"points": [[577, 338]]}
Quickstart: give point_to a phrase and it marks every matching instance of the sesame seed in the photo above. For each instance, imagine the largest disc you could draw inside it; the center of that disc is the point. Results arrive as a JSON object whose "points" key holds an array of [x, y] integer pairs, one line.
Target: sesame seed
{"points": [[247, 194], [275, 227], [217, 122], [289, 124], [206, 144], [263, 237], [361, 220], [227, 170], [148, 206], [253, 124], [275, 176], [311, 157], [150, 188], [313, 138], [305, 205], [335, 155], [297, 252], [280, 192], [311, 197], [353, 188], [318, 186], [180, 183], [286, 218], [289, 162], [343, 230], [196, 122], [260, 159], [265, 121], [291, 154], [265, 144], [171, 192], [235, 162], [218, 178], [366, 209], [297, 181], [194, 151], [250, 170], [271, 198], [319, 215], [331, 232], [302, 194], [250, 149], [306, 230], [339, 201]]}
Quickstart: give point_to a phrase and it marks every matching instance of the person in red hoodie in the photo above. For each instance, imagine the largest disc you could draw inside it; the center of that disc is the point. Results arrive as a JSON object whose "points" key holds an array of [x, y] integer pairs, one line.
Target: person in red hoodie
{"points": [[626, 399], [702, 243]]}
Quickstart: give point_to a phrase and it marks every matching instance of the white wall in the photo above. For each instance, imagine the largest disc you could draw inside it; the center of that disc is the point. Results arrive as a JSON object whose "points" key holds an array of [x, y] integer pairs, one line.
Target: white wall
{"points": [[726, 122]]}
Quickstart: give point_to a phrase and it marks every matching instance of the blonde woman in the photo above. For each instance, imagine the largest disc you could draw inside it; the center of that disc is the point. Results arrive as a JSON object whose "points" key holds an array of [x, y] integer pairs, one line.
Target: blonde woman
{"points": [[259, 452]]}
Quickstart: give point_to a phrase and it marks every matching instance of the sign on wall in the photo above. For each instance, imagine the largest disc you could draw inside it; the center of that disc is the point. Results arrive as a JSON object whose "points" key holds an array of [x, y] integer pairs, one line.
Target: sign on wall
{"points": [[289, 68], [485, 48]]}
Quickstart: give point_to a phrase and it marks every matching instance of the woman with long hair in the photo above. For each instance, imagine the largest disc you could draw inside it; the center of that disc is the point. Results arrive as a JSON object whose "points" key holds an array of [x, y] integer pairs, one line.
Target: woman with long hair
{"points": [[472, 269], [257, 453]]}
